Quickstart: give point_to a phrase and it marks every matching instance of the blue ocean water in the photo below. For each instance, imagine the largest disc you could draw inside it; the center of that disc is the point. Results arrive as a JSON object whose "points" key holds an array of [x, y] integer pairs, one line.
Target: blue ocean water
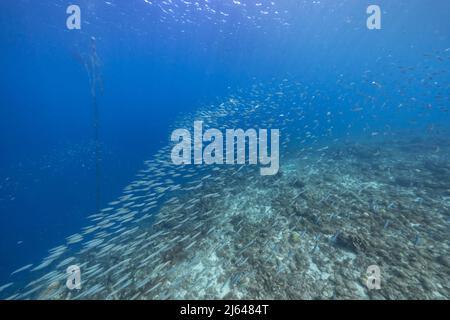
{"points": [[160, 60]]}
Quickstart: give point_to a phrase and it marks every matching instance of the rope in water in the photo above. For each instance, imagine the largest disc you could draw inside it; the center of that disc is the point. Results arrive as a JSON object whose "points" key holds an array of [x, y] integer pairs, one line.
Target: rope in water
{"points": [[93, 69]]}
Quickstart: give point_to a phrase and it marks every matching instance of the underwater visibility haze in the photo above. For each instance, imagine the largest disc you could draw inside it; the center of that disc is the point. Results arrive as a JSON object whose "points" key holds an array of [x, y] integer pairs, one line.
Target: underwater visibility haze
{"points": [[224, 149]]}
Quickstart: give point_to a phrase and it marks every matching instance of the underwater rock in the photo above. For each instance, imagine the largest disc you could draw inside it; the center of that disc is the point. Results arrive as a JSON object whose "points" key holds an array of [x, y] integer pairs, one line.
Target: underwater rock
{"points": [[351, 242], [297, 183], [436, 167], [404, 182], [445, 261], [362, 152], [51, 291], [229, 296], [295, 237], [427, 284]]}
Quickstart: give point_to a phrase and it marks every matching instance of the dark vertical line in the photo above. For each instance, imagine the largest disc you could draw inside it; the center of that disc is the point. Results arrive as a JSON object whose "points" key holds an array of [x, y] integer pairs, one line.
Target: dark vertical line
{"points": [[97, 153], [95, 82]]}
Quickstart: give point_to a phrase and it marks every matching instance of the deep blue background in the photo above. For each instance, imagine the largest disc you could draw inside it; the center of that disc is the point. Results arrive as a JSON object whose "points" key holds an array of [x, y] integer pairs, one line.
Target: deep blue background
{"points": [[154, 70]]}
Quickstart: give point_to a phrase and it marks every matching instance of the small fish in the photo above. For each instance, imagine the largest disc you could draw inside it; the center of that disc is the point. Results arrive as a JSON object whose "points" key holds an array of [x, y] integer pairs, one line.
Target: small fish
{"points": [[417, 240], [22, 269], [3, 287]]}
